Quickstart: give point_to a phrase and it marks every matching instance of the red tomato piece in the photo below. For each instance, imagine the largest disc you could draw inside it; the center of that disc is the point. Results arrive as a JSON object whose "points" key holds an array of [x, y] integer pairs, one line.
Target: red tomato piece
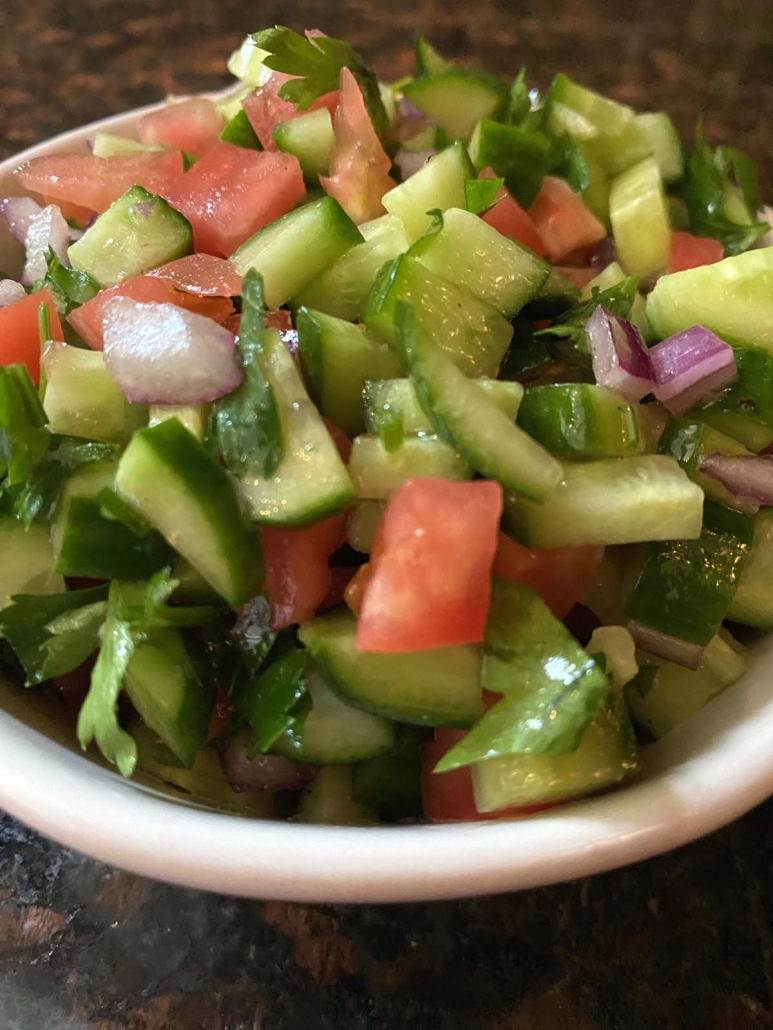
{"points": [[95, 182], [265, 109], [19, 335], [508, 217], [431, 559], [579, 277], [232, 192], [359, 167], [688, 251], [559, 575], [298, 576], [562, 220], [203, 274], [192, 125], [146, 289]]}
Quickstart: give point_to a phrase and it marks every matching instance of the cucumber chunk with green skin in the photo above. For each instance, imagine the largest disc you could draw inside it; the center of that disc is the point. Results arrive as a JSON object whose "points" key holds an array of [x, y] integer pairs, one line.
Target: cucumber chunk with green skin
{"points": [[555, 296], [605, 756], [334, 732], [440, 687], [652, 134], [689, 440], [329, 800], [638, 211], [391, 783], [664, 695], [612, 501], [596, 193], [476, 427], [752, 602], [607, 116], [748, 431], [310, 138], [289, 252], [108, 145], [167, 691], [398, 397], [552, 689], [733, 298], [166, 474], [27, 564], [342, 290], [428, 60], [437, 186], [472, 254], [193, 416], [686, 586], [337, 358], [81, 399], [377, 472], [457, 98], [473, 334], [365, 517], [579, 421], [520, 155], [239, 131], [311, 481], [137, 233]]}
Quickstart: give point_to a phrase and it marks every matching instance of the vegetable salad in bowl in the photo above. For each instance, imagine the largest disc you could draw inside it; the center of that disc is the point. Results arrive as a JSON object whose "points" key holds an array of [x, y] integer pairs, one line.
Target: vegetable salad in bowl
{"points": [[385, 452]]}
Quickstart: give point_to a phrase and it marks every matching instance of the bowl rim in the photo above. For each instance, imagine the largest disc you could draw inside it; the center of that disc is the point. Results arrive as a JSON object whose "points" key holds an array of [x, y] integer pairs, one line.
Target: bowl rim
{"points": [[706, 773]]}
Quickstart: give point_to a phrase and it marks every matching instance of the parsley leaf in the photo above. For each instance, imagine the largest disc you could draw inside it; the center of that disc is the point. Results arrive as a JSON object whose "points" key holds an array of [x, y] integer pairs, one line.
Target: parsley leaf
{"points": [[617, 300], [480, 194], [37, 496], [24, 438], [318, 62], [69, 287]]}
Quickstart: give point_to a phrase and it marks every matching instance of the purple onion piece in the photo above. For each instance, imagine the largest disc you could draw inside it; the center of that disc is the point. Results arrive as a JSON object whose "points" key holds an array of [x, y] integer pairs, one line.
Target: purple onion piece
{"points": [[689, 367], [10, 292], [263, 773], [163, 354], [409, 162], [603, 253], [680, 652], [18, 212], [48, 230], [749, 477], [619, 354]]}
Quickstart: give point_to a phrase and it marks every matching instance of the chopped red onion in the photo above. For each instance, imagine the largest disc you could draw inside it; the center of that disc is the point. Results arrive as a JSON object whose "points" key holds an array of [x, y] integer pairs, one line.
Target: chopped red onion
{"points": [[163, 354], [620, 358], [680, 652], [409, 162], [265, 772], [602, 254], [18, 212], [748, 476], [689, 367], [47, 230], [10, 292]]}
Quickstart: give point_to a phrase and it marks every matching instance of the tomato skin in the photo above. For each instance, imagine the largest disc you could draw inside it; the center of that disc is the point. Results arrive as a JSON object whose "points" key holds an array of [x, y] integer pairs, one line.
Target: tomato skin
{"points": [[202, 274], [508, 217], [192, 125], [19, 335], [559, 575], [562, 219], [232, 192], [431, 560], [265, 109], [688, 251], [298, 577]]}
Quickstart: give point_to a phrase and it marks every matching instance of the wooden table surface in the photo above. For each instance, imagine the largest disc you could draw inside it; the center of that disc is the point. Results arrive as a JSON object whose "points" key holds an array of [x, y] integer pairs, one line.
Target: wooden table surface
{"points": [[682, 941]]}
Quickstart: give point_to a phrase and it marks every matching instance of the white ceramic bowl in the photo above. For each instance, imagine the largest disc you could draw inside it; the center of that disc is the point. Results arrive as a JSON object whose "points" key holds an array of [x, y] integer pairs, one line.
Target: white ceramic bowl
{"points": [[708, 772]]}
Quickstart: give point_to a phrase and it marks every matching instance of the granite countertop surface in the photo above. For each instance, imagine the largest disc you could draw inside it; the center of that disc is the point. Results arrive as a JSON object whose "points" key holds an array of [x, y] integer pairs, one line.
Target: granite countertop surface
{"points": [[681, 941]]}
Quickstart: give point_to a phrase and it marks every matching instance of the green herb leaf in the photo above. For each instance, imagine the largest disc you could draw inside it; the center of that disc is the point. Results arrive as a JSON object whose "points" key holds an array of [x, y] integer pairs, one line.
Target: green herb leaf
{"points": [[522, 155], [617, 300], [24, 438], [240, 132], [69, 287], [519, 104], [267, 702], [38, 495], [480, 194]]}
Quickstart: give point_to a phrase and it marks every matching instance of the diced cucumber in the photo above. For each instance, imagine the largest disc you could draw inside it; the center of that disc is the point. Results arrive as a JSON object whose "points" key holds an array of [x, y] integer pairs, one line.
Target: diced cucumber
{"points": [[246, 63], [663, 695], [611, 276], [166, 474], [476, 427], [376, 472], [138, 232], [337, 357], [752, 434], [391, 783], [456, 99], [311, 481], [193, 416], [329, 800], [613, 501], [289, 252], [310, 138], [82, 400], [689, 440], [608, 116], [613, 581], [517, 153], [649, 135], [342, 290], [606, 755], [167, 691], [472, 254], [397, 397], [364, 519], [733, 298], [431, 138], [107, 145], [579, 421], [26, 561], [638, 211], [428, 60], [230, 105], [437, 186], [596, 193], [333, 732], [753, 600], [555, 295], [192, 587], [85, 482], [472, 333], [238, 131], [440, 687]]}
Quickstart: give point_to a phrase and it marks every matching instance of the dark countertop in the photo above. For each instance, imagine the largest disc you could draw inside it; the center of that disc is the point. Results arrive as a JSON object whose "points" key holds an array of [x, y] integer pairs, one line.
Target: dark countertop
{"points": [[682, 941]]}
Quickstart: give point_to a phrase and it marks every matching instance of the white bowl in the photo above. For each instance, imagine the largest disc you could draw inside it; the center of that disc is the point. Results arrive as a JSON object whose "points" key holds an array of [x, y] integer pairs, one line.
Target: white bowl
{"points": [[708, 772]]}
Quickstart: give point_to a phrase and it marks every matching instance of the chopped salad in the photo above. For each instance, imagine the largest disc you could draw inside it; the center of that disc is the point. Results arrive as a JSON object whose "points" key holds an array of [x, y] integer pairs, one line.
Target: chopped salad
{"points": [[383, 451]]}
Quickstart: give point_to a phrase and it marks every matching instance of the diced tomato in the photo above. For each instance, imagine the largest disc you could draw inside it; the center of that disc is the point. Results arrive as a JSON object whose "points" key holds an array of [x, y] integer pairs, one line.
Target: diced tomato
{"points": [[203, 274], [298, 576], [266, 109], [688, 251], [562, 220], [579, 277], [359, 167], [146, 289], [508, 217], [431, 559], [222, 714], [232, 192], [95, 182], [192, 125], [559, 575], [357, 586], [19, 335]]}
